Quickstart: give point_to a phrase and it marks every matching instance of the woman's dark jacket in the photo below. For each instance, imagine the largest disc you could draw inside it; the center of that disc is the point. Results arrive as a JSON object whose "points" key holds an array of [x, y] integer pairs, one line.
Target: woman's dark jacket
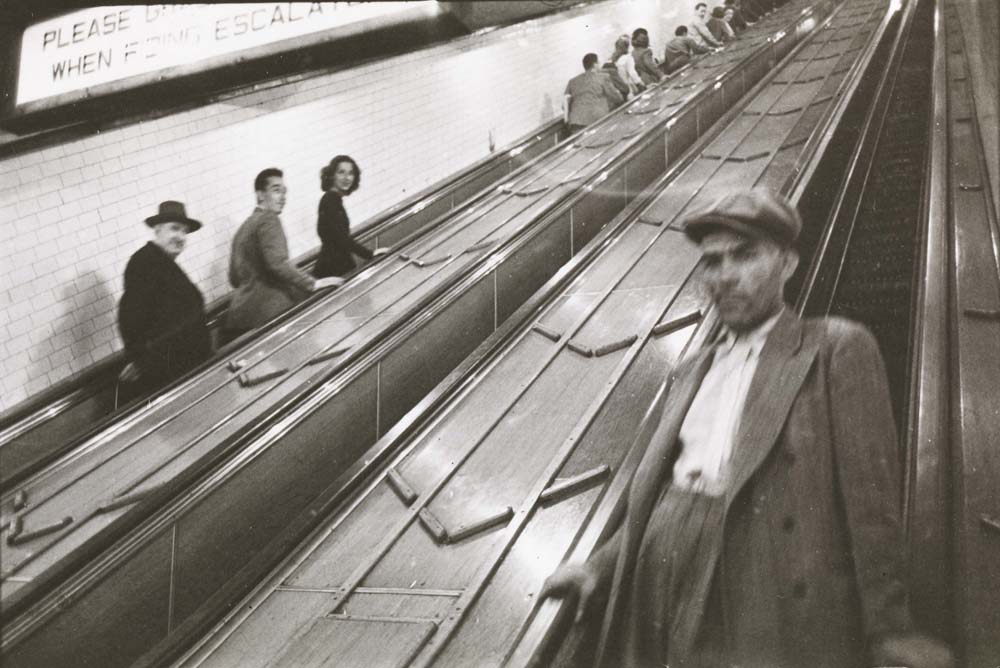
{"points": [[161, 317], [334, 231]]}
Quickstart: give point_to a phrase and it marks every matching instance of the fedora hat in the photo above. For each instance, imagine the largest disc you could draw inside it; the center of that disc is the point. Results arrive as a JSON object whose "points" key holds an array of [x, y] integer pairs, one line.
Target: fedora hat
{"points": [[755, 213], [173, 212]]}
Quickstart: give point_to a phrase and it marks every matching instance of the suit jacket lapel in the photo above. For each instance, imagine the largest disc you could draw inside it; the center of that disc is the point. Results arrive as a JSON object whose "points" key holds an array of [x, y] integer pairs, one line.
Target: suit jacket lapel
{"points": [[783, 366]]}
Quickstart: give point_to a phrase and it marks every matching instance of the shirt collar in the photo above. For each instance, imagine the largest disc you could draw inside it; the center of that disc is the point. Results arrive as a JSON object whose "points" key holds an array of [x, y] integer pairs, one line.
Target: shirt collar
{"points": [[755, 338]]}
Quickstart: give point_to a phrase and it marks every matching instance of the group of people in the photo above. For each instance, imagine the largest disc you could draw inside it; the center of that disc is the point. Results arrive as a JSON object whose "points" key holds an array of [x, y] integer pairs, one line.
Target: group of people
{"points": [[161, 315], [633, 67]]}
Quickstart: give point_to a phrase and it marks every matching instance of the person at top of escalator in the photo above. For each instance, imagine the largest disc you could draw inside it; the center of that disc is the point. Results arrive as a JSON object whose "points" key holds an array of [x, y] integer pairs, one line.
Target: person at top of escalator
{"points": [[680, 50], [161, 315], [265, 281], [719, 27], [589, 96], [699, 29], [761, 527], [645, 61], [338, 179]]}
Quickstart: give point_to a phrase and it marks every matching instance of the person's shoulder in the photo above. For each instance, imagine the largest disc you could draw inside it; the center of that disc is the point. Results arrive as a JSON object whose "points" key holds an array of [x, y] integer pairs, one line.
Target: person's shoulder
{"points": [[144, 256], [837, 332]]}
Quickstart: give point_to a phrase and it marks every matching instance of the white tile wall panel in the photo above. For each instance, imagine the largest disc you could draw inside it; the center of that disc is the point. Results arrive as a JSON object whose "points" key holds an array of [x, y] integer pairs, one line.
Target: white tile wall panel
{"points": [[72, 212]]}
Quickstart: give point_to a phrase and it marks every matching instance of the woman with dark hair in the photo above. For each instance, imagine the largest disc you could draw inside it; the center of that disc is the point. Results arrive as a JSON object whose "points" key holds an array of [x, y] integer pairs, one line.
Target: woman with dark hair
{"points": [[719, 27], [645, 62], [338, 179]]}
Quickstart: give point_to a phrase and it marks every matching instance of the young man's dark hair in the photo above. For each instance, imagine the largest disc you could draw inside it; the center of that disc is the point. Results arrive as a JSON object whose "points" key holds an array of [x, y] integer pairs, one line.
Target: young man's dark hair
{"points": [[681, 31], [700, 5], [260, 183], [589, 61]]}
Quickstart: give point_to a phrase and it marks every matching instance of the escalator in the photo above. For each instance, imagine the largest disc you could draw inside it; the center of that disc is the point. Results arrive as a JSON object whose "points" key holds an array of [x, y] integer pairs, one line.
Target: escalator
{"points": [[220, 466], [436, 558]]}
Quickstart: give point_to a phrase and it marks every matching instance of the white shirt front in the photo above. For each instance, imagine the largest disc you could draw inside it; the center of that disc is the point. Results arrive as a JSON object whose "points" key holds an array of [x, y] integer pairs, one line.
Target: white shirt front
{"points": [[626, 68], [709, 429]]}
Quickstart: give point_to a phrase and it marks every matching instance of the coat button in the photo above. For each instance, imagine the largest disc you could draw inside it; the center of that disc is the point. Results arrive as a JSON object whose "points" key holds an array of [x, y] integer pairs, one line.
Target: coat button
{"points": [[799, 589], [788, 524]]}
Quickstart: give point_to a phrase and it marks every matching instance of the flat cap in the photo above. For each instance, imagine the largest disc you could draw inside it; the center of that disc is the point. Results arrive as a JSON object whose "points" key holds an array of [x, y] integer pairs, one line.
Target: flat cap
{"points": [[756, 213]]}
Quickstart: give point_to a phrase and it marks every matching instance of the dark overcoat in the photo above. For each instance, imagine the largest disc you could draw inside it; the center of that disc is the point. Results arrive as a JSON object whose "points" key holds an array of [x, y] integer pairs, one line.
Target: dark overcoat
{"points": [[334, 229], [161, 317], [809, 568]]}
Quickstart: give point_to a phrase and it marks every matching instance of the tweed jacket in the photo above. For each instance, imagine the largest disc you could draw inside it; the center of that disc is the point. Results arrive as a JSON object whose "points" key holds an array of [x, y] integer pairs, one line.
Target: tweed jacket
{"points": [[266, 283], [161, 317], [809, 566], [592, 95]]}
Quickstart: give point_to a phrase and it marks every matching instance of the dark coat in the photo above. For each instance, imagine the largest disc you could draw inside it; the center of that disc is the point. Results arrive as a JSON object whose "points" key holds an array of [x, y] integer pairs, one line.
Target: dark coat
{"points": [[646, 65], [616, 79], [334, 229], [810, 567], [161, 317], [266, 283]]}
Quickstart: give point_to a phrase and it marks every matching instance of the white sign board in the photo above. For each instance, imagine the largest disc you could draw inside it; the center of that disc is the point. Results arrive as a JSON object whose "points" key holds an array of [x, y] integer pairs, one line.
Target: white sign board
{"points": [[100, 45]]}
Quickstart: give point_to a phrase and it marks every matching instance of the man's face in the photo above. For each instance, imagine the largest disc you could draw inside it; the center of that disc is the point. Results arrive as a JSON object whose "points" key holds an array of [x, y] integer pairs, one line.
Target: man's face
{"points": [[171, 237], [701, 11], [729, 15], [745, 277], [272, 198]]}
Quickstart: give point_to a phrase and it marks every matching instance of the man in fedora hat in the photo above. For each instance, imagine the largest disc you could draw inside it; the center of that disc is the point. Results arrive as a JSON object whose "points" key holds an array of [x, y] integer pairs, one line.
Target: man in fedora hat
{"points": [[761, 528], [161, 315]]}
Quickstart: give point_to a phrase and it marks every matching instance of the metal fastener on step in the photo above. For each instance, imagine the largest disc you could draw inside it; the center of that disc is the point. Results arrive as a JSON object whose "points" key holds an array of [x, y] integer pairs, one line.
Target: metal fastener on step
{"points": [[122, 500], [246, 380], [20, 538], [967, 187], [324, 357], [546, 331], [433, 525], [668, 326], [234, 366], [402, 488], [472, 528], [15, 526], [480, 246], [20, 499], [427, 263], [561, 489], [982, 313], [608, 348], [580, 349], [990, 523]]}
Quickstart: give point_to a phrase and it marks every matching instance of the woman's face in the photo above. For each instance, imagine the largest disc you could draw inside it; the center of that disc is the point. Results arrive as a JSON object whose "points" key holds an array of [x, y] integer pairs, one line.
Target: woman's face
{"points": [[343, 177], [729, 16]]}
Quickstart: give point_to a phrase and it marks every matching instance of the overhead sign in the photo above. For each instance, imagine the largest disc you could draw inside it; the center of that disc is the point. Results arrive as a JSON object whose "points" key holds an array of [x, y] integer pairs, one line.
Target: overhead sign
{"points": [[101, 45]]}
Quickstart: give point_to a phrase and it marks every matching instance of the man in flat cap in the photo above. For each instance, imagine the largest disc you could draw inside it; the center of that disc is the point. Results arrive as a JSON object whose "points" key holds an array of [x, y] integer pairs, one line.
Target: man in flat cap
{"points": [[161, 315], [762, 526]]}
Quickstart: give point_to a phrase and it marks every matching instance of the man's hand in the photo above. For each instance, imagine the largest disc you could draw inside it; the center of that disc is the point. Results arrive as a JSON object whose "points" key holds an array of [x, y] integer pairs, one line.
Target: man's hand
{"points": [[573, 581], [130, 373], [328, 282], [382, 250], [913, 651]]}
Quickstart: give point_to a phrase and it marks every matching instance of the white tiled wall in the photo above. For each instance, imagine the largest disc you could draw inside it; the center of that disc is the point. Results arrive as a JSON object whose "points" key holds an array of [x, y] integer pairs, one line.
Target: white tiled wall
{"points": [[72, 214]]}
